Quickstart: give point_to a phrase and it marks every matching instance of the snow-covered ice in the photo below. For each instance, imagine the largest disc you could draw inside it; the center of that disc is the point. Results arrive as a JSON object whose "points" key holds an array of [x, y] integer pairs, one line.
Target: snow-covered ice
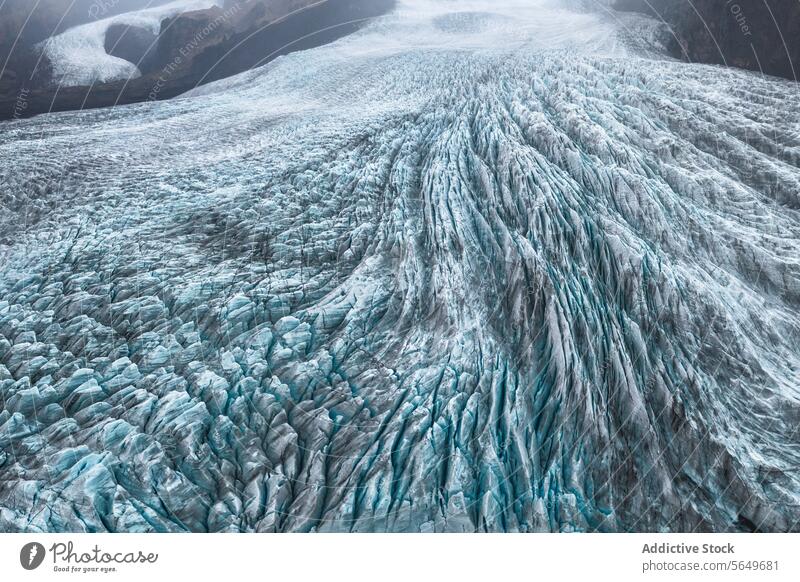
{"points": [[493, 266], [78, 56]]}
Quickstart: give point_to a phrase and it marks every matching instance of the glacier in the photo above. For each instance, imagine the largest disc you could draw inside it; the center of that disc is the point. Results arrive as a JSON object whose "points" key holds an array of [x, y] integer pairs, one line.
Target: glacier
{"points": [[480, 266], [78, 55]]}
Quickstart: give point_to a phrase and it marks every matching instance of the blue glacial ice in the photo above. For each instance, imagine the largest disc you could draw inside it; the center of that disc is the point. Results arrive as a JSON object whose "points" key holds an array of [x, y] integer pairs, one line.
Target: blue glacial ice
{"points": [[481, 266]]}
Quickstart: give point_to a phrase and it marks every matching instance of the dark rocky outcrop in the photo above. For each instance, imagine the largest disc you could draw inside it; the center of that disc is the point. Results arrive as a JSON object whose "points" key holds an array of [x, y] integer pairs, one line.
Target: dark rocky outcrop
{"points": [[132, 43], [760, 35], [186, 35]]}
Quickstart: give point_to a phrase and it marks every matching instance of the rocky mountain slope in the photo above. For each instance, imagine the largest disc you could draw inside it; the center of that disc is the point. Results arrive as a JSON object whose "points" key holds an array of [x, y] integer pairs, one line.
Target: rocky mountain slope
{"points": [[761, 36]]}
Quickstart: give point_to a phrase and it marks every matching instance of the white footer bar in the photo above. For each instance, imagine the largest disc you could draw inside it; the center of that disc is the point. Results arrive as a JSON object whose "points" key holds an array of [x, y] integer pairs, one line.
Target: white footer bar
{"points": [[415, 557]]}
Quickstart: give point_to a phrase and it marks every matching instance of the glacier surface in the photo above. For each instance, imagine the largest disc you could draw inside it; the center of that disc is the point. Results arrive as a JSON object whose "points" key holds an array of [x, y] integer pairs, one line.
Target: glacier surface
{"points": [[486, 266]]}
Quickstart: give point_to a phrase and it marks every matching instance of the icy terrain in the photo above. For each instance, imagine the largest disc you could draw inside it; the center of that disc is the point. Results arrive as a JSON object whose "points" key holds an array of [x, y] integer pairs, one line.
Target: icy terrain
{"points": [[78, 55], [476, 267]]}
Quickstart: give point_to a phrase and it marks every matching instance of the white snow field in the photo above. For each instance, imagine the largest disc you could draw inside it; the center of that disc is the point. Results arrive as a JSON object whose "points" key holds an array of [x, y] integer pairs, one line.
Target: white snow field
{"points": [[485, 266], [78, 56]]}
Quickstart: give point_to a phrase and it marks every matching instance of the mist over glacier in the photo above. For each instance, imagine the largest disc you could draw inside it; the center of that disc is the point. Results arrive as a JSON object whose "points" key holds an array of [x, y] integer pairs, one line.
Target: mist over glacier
{"points": [[481, 266]]}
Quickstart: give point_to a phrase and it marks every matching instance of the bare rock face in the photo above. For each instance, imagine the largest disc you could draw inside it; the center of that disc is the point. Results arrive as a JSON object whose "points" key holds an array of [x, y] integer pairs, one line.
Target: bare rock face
{"points": [[184, 36], [132, 43], [200, 39], [761, 36]]}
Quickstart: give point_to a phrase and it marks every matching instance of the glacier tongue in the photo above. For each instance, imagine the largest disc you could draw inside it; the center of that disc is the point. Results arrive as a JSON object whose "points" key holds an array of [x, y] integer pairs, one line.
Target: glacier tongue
{"points": [[78, 55], [410, 281]]}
